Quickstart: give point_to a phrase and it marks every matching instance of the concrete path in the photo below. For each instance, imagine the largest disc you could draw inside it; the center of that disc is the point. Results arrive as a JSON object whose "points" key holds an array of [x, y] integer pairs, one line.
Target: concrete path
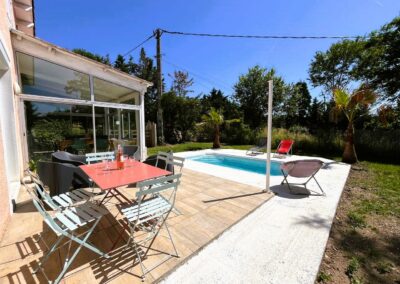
{"points": [[283, 241]]}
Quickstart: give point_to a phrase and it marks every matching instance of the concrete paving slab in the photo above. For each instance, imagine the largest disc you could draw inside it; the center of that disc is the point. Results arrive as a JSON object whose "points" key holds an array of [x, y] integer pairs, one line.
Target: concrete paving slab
{"points": [[283, 241]]}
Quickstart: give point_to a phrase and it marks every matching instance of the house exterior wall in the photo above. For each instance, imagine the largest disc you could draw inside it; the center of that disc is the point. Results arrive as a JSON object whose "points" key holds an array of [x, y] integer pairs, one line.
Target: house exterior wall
{"points": [[8, 159]]}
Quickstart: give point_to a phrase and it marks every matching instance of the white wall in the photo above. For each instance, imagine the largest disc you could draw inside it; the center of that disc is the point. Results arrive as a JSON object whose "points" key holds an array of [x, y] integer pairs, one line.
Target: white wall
{"points": [[8, 124]]}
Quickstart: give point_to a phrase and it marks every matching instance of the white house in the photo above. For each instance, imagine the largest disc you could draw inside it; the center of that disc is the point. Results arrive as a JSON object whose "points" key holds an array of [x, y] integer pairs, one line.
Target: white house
{"points": [[53, 99]]}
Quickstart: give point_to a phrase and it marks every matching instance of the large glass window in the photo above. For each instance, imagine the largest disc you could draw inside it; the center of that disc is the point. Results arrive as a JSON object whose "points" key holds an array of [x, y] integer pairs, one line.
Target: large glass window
{"points": [[115, 126], [52, 127], [105, 91], [40, 77]]}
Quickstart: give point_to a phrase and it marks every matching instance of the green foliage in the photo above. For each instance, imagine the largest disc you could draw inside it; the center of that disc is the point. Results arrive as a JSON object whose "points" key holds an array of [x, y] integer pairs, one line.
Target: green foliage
{"points": [[180, 116], [192, 146], [356, 220], [335, 68], [353, 266], [32, 165], [50, 132], [379, 60], [181, 83], [93, 56], [374, 60], [384, 267], [236, 132], [324, 277], [217, 100], [384, 185], [296, 106], [251, 94], [214, 118]]}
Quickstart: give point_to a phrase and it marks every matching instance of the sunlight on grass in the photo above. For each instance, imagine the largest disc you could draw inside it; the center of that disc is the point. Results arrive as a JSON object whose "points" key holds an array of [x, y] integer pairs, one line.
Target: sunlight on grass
{"points": [[192, 146], [384, 184]]}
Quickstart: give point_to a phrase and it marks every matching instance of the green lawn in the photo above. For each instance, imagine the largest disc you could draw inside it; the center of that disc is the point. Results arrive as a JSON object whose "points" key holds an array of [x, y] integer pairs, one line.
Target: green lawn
{"points": [[192, 146], [364, 242]]}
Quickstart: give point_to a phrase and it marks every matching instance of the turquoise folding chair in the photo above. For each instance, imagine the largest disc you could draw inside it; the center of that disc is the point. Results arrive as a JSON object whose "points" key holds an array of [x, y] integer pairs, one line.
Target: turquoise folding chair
{"points": [[150, 215], [61, 201], [65, 224]]}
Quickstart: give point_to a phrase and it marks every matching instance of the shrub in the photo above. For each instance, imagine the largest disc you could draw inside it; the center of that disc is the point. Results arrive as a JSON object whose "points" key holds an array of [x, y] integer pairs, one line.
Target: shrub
{"points": [[236, 132]]}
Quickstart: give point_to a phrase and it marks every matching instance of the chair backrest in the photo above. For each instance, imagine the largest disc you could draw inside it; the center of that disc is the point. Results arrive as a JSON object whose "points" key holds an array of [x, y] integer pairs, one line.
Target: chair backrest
{"points": [[99, 156], [178, 162], [48, 219], [285, 146], [65, 157], [129, 150], [40, 190], [302, 168], [164, 156], [164, 187]]}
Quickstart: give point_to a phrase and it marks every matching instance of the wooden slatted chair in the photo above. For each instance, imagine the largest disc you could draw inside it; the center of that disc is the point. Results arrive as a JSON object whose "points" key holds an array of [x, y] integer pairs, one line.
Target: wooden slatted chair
{"points": [[150, 215], [99, 156], [65, 224]]}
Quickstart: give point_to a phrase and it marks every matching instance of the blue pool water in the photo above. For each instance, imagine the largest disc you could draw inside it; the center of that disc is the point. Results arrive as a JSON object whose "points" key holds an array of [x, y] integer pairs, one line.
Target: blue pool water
{"points": [[250, 165]]}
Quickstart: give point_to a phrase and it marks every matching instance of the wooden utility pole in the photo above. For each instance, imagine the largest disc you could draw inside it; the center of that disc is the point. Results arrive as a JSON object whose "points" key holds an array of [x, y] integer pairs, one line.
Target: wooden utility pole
{"points": [[160, 123]]}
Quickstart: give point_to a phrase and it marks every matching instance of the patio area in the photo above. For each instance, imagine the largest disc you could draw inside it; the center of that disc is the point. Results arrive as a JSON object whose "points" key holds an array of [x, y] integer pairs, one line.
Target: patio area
{"points": [[209, 206]]}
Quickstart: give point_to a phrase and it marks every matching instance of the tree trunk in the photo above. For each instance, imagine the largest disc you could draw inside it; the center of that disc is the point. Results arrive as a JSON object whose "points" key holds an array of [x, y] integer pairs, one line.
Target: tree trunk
{"points": [[216, 143], [349, 153]]}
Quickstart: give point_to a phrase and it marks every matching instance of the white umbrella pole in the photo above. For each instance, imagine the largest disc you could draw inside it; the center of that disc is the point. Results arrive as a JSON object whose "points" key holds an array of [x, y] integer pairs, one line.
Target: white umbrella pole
{"points": [[269, 134]]}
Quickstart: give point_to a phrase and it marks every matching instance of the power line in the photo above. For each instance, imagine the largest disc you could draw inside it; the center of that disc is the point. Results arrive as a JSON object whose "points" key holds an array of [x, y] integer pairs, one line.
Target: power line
{"points": [[258, 36], [209, 80], [139, 45]]}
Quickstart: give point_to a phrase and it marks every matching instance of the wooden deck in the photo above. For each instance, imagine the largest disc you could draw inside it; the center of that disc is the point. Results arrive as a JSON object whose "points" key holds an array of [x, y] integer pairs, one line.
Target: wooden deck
{"points": [[209, 205]]}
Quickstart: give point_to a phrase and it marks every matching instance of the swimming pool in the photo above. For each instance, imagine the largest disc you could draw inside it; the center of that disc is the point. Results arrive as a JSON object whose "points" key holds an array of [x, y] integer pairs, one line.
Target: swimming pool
{"points": [[239, 163]]}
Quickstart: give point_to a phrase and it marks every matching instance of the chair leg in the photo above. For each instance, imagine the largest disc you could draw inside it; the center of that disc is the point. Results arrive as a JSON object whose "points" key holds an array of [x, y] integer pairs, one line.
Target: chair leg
{"points": [[323, 192], [53, 249], [172, 241], [83, 242]]}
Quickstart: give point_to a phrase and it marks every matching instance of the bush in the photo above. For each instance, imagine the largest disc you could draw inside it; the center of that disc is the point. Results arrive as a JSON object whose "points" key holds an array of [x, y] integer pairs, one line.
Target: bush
{"points": [[238, 133]]}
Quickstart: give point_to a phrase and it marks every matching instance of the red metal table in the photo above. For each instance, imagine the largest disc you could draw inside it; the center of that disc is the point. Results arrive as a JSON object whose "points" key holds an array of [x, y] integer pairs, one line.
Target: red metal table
{"points": [[112, 178]]}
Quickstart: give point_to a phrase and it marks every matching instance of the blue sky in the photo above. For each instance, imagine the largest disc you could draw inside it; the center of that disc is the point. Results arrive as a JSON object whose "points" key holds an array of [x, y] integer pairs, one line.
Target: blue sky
{"points": [[113, 27]]}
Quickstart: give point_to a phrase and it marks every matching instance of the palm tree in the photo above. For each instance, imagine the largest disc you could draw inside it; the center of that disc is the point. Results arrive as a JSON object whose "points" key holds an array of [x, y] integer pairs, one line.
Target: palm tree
{"points": [[214, 118], [350, 104]]}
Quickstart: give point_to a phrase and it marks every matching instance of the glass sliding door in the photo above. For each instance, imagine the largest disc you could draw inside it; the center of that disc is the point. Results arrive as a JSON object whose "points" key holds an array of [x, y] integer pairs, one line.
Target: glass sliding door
{"points": [[115, 126], [51, 127]]}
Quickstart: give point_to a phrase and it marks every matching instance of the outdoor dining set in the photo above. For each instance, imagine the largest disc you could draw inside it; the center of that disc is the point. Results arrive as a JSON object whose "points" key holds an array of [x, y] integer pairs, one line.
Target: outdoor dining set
{"points": [[74, 214]]}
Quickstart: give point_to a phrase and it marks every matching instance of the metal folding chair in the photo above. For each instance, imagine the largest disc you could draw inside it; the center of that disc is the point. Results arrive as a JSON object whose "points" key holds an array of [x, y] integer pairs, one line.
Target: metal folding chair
{"points": [[65, 224], [150, 215], [301, 169], [61, 201], [99, 156]]}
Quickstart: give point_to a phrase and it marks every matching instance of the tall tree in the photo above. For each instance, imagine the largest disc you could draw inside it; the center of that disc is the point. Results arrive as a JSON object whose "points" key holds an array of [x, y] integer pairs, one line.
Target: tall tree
{"points": [[120, 64], [219, 101], [335, 68], [379, 64], [303, 103], [251, 94], [181, 83], [349, 104]]}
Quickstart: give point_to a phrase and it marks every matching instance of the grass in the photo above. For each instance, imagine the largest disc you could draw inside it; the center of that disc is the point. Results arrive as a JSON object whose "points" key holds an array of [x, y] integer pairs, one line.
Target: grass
{"points": [[383, 185], [371, 204], [192, 146]]}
